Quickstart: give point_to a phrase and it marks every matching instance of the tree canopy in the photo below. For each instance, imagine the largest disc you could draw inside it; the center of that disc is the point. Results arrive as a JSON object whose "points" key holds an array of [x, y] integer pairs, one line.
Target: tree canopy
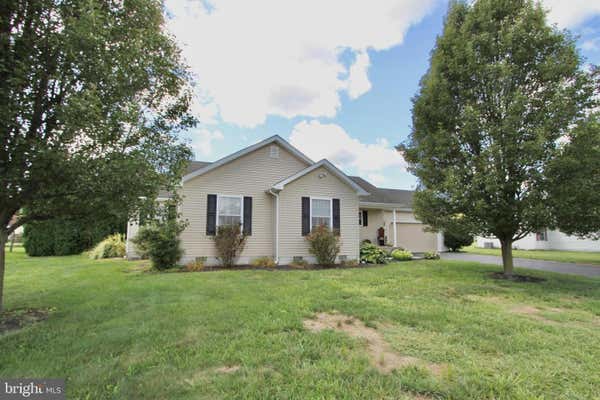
{"points": [[502, 88], [92, 95]]}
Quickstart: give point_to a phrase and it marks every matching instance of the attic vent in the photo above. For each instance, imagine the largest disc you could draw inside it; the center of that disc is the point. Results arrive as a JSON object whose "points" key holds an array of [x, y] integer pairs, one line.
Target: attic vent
{"points": [[274, 151]]}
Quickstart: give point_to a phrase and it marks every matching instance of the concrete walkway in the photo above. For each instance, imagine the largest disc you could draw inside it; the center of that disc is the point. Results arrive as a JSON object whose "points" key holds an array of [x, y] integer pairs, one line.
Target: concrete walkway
{"points": [[542, 265]]}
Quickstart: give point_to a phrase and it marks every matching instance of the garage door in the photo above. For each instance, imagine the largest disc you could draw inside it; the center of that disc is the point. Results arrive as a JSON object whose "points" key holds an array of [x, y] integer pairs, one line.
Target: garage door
{"points": [[413, 238]]}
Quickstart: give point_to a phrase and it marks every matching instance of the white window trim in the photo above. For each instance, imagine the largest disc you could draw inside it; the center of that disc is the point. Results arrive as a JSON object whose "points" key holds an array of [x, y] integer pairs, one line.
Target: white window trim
{"points": [[241, 208], [330, 210], [360, 217]]}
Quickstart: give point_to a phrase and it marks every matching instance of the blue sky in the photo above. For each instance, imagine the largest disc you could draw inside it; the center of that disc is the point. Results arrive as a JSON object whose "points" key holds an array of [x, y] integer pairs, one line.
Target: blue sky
{"points": [[337, 84]]}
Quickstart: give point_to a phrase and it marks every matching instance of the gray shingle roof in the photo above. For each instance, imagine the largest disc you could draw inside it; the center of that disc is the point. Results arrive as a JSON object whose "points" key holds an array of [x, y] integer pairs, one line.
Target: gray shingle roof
{"points": [[383, 195], [195, 165]]}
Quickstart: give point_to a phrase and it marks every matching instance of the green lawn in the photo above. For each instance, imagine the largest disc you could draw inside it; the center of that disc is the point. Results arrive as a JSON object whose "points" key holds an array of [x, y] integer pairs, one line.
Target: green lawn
{"points": [[581, 257], [118, 333]]}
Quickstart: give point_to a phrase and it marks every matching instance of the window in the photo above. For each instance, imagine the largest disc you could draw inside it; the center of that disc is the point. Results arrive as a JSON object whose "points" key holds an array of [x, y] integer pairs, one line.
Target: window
{"points": [[274, 151], [360, 221], [320, 212], [542, 236], [229, 210]]}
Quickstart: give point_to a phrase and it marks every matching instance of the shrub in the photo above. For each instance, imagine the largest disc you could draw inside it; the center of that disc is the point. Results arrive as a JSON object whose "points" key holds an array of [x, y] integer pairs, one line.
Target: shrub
{"points": [[229, 241], [159, 241], [324, 244], [194, 266], [431, 255], [372, 254], [401, 255], [111, 247], [61, 237], [266, 262], [456, 237]]}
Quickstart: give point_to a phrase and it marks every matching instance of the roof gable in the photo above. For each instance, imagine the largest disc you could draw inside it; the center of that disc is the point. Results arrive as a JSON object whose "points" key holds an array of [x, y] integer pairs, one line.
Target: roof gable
{"points": [[202, 169], [329, 166]]}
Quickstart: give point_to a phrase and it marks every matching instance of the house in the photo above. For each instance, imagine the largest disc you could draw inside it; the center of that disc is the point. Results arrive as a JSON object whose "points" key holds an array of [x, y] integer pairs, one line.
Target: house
{"points": [[278, 194], [545, 240]]}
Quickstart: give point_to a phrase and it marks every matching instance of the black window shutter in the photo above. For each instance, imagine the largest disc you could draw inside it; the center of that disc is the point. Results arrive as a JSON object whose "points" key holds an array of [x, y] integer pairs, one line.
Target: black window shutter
{"points": [[247, 215], [305, 216], [365, 218], [211, 214], [336, 215]]}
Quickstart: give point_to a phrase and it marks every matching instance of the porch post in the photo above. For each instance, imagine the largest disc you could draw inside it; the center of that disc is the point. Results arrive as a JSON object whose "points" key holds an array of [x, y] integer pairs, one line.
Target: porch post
{"points": [[395, 234]]}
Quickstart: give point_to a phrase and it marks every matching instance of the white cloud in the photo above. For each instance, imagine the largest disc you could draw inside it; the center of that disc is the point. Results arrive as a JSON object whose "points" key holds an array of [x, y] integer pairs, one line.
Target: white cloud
{"points": [[331, 141], [275, 57], [376, 179], [571, 13], [202, 142], [591, 44]]}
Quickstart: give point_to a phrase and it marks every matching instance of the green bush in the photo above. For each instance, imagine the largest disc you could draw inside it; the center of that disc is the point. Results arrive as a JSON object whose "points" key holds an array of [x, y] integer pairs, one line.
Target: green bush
{"points": [[431, 255], [324, 244], [61, 237], [111, 247], [456, 237], [159, 241], [401, 255], [372, 254], [229, 241]]}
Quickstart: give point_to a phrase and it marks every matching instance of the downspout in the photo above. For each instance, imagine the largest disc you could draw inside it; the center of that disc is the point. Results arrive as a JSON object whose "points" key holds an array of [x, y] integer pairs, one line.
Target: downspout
{"points": [[395, 235], [276, 195]]}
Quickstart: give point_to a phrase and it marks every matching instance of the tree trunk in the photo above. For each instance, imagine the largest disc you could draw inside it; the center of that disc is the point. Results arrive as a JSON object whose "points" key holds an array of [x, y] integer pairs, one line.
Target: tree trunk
{"points": [[12, 241], [3, 240], [507, 257]]}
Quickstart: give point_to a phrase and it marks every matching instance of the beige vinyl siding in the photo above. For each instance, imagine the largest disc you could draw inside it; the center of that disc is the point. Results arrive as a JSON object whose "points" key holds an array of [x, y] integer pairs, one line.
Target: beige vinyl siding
{"points": [[410, 231], [414, 238], [250, 175], [291, 241], [375, 221]]}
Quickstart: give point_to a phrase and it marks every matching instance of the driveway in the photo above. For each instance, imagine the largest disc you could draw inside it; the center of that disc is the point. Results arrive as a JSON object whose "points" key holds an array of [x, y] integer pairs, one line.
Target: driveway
{"points": [[542, 265]]}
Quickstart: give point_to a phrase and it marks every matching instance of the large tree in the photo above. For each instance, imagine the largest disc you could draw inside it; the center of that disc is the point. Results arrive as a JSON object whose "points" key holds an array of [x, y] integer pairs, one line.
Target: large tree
{"points": [[502, 88], [92, 95], [574, 181]]}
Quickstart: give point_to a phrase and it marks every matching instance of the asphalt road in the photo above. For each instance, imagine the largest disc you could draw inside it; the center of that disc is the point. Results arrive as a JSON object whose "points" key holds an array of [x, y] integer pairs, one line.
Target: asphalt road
{"points": [[542, 265]]}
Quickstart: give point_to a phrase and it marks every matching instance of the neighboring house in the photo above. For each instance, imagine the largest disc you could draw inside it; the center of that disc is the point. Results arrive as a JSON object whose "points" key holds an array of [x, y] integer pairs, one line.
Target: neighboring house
{"points": [[278, 195], [545, 240]]}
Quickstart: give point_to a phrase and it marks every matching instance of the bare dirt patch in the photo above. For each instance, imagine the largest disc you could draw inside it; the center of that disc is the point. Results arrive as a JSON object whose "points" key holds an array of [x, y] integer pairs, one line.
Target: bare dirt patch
{"points": [[381, 354], [15, 320], [517, 277], [534, 313], [229, 369]]}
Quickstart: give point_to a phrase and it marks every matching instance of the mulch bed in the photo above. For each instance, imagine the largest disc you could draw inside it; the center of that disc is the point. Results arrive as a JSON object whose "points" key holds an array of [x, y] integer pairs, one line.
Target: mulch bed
{"points": [[18, 319], [517, 277], [282, 267]]}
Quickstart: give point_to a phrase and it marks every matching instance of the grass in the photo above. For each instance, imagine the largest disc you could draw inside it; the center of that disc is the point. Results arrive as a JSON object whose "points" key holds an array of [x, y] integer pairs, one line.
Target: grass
{"points": [[580, 257], [118, 333]]}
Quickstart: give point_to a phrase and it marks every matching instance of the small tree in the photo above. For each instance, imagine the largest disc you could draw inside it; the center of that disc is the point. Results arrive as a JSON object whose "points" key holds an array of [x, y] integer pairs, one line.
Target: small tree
{"points": [[503, 86], [229, 242], [454, 240], [457, 233], [324, 244]]}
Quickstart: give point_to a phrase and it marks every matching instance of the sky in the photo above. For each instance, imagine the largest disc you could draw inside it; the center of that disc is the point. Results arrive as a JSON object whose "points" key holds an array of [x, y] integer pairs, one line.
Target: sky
{"points": [[333, 77]]}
